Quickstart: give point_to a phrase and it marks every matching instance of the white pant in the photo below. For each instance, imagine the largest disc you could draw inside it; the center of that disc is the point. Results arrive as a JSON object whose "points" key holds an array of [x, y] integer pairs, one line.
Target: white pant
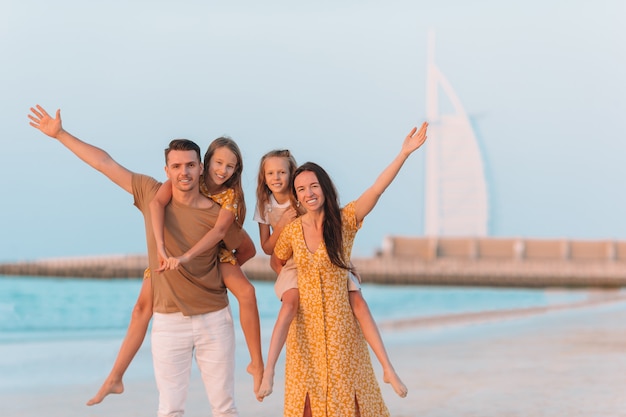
{"points": [[174, 339]]}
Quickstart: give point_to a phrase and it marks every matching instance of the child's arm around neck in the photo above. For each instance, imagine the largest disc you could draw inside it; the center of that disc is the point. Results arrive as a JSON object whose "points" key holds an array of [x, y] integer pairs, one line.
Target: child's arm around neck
{"points": [[269, 236], [225, 219]]}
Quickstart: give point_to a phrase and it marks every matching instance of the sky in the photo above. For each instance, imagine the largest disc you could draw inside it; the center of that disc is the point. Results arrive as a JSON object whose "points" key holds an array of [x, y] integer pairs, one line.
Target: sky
{"points": [[336, 82]]}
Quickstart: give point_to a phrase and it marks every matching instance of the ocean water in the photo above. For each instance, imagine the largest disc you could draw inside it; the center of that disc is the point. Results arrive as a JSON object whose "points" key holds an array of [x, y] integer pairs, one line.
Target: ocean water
{"points": [[36, 308], [71, 329]]}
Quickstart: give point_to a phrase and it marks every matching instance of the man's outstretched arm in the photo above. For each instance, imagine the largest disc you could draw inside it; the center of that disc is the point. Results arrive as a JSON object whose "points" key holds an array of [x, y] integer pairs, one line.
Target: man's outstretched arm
{"points": [[92, 155]]}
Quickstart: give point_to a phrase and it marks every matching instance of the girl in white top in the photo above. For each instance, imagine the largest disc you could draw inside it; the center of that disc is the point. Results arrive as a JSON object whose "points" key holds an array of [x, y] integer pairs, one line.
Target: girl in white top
{"points": [[276, 207]]}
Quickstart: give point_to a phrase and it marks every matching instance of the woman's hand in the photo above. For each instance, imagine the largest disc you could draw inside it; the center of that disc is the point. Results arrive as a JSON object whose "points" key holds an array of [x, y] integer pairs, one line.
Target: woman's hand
{"points": [[414, 139]]}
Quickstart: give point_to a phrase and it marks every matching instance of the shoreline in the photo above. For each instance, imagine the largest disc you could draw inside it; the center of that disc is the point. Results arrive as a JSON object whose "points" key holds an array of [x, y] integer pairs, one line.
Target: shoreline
{"points": [[531, 362], [595, 298]]}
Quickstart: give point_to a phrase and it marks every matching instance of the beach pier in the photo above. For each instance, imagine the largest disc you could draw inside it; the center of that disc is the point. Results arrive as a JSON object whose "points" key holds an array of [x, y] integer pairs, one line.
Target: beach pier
{"points": [[507, 262], [102, 266]]}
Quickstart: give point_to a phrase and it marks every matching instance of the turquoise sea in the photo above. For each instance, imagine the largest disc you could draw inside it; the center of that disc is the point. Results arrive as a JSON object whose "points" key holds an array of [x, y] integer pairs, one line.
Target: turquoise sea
{"points": [[71, 329]]}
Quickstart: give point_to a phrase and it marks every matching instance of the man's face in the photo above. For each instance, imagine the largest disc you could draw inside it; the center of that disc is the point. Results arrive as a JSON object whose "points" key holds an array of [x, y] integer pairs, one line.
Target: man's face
{"points": [[183, 170]]}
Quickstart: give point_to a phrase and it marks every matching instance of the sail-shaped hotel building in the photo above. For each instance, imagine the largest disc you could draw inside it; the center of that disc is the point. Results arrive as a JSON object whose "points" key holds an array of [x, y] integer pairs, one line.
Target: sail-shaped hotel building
{"points": [[456, 199]]}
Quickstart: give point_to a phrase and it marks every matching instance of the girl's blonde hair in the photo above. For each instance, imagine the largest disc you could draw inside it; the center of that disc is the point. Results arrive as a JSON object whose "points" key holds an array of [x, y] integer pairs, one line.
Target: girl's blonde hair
{"points": [[234, 181], [262, 190]]}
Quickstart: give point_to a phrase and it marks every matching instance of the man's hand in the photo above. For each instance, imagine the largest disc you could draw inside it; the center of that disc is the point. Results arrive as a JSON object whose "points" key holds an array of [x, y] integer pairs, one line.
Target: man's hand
{"points": [[41, 120]]}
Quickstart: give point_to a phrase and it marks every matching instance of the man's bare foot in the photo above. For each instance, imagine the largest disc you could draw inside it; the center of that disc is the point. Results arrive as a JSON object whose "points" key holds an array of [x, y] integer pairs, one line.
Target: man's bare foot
{"points": [[267, 385], [257, 375], [109, 387], [390, 377]]}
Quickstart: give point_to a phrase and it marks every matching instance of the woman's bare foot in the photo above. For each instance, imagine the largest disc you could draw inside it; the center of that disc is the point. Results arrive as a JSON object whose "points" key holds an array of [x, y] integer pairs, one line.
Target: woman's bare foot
{"points": [[267, 385], [390, 377], [257, 375], [108, 387]]}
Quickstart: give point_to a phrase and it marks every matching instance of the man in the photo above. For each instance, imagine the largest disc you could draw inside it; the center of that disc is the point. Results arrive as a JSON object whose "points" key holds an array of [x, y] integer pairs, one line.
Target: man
{"points": [[190, 304]]}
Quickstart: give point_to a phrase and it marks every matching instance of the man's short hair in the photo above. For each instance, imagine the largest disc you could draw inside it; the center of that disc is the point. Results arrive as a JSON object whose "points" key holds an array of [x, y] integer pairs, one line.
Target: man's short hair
{"points": [[182, 145]]}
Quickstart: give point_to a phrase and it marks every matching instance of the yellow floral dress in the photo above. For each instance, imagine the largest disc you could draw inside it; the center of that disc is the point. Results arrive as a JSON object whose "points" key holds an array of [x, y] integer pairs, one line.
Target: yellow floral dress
{"points": [[327, 356], [226, 199]]}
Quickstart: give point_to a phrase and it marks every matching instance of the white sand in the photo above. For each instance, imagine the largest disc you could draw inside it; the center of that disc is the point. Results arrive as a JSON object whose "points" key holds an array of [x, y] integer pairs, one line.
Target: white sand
{"points": [[561, 363]]}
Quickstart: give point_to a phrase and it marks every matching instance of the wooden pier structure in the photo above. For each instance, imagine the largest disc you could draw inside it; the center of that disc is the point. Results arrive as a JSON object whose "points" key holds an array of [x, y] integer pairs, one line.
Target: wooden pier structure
{"points": [[500, 262]]}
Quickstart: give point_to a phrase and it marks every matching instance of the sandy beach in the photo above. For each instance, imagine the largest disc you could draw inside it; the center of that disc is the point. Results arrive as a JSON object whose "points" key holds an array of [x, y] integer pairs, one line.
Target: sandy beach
{"points": [[560, 362]]}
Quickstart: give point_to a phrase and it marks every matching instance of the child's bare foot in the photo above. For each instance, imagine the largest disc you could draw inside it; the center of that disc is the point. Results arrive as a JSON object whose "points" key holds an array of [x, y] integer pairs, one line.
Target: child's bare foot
{"points": [[267, 385], [390, 377], [257, 375], [108, 387]]}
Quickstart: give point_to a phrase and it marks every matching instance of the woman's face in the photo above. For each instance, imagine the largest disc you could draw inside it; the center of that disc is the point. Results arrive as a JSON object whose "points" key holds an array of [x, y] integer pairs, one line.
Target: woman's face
{"points": [[309, 191], [222, 165]]}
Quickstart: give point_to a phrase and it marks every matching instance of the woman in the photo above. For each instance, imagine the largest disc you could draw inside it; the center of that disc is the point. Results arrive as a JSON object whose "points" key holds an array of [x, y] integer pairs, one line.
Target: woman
{"points": [[328, 368]]}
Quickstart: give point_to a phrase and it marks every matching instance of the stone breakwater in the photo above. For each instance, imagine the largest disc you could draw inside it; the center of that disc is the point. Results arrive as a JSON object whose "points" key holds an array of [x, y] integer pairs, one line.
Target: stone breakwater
{"points": [[380, 269], [106, 266]]}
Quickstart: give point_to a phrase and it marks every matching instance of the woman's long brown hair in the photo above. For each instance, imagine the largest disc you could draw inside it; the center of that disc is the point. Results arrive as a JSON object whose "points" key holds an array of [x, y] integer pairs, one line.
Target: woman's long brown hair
{"points": [[332, 233]]}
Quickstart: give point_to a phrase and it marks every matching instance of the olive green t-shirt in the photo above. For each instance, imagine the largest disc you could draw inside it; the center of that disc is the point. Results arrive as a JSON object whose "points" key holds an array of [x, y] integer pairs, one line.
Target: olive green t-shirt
{"points": [[196, 287]]}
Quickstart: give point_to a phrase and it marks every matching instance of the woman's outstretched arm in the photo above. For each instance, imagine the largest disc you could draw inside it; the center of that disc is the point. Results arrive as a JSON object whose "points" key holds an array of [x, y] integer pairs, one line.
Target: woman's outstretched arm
{"points": [[366, 202]]}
